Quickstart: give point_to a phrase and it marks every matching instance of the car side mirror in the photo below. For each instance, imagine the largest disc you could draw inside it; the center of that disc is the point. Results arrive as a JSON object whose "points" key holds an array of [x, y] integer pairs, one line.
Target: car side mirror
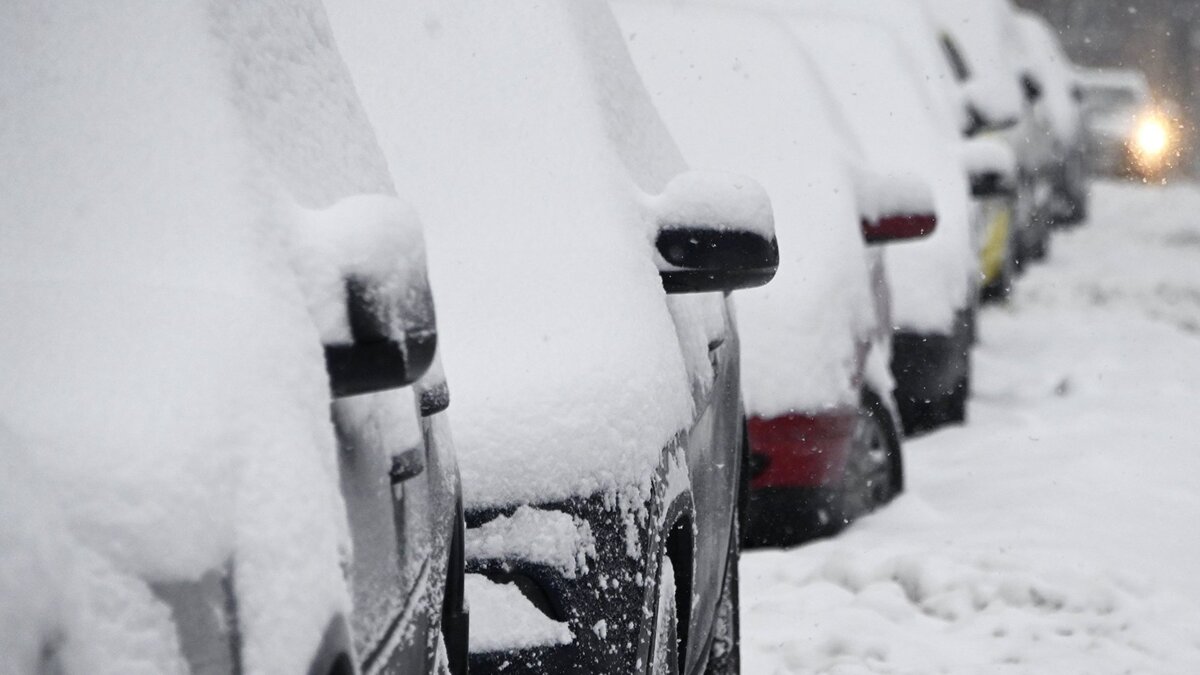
{"points": [[978, 123], [376, 359], [715, 232], [361, 264], [898, 227], [895, 206], [991, 168], [1031, 88]]}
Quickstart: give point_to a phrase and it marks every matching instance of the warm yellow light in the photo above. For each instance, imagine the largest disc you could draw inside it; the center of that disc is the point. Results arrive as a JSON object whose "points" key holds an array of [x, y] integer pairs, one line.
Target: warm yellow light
{"points": [[1151, 137]]}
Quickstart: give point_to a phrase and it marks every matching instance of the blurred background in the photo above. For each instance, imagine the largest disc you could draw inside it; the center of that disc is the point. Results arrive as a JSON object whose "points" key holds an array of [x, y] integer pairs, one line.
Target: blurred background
{"points": [[1159, 37]]}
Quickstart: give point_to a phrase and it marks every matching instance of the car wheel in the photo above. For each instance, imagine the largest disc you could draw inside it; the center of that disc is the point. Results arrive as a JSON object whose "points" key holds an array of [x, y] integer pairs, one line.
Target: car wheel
{"points": [[870, 479], [955, 411], [664, 644], [1001, 287], [725, 656]]}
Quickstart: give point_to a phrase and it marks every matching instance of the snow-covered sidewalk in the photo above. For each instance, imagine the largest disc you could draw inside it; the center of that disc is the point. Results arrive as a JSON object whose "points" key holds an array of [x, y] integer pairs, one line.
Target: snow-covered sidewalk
{"points": [[1059, 531]]}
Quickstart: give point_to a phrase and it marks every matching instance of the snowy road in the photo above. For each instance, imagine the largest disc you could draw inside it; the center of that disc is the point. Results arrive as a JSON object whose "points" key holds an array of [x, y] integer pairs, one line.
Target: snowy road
{"points": [[1059, 532]]}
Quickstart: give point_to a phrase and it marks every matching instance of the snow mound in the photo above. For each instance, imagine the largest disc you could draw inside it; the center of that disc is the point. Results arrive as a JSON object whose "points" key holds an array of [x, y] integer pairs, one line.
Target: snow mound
{"points": [[502, 619], [907, 609], [537, 536]]}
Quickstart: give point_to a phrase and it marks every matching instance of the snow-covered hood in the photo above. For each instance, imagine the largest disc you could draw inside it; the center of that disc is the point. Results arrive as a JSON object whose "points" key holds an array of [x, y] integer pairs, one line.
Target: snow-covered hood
{"points": [[738, 93], [569, 370], [162, 371]]}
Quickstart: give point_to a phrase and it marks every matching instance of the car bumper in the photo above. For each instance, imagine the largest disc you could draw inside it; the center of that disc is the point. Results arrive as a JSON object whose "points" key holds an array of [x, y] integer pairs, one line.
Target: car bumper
{"points": [[929, 368], [786, 516]]}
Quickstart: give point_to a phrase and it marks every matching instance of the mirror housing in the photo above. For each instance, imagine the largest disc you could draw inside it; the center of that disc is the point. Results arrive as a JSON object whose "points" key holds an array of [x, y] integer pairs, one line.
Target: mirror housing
{"points": [[702, 260], [360, 264], [374, 361], [894, 205], [978, 123], [991, 168], [1031, 88], [898, 227], [716, 232], [991, 184]]}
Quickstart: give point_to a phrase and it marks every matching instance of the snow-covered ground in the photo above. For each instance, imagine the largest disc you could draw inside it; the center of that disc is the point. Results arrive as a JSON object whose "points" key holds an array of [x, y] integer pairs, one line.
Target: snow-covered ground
{"points": [[1059, 531]]}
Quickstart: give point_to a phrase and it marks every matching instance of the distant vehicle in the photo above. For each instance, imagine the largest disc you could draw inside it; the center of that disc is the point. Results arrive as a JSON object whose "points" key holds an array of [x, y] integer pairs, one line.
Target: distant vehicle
{"points": [[821, 420], [204, 254], [1127, 134], [1058, 106], [582, 272]]}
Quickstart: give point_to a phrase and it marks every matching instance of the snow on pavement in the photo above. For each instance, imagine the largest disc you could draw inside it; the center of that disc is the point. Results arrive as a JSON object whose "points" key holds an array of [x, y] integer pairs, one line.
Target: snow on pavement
{"points": [[1058, 531]]}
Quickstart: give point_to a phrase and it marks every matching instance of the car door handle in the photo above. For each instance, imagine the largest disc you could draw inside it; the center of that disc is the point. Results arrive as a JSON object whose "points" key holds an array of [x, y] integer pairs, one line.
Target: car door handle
{"points": [[407, 464]]}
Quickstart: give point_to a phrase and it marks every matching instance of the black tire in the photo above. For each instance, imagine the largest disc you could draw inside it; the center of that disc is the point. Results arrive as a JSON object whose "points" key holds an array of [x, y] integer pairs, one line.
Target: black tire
{"points": [[873, 470], [725, 654], [1001, 287], [955, 405]]}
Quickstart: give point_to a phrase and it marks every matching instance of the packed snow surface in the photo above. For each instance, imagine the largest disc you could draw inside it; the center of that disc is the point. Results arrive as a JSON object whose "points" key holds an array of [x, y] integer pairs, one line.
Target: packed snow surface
{"points": [[502, 619], [883, 100], [530, 150], [1055, 533], [738, 93]]}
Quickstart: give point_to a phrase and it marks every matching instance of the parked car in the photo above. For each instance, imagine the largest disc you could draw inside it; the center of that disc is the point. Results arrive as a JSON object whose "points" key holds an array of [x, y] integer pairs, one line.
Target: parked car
{"points": [[1004, 95], [581, 271], [942, 77], [1059, 107], [1127, 134], [202, 255], [932, 280], [821, 420]]}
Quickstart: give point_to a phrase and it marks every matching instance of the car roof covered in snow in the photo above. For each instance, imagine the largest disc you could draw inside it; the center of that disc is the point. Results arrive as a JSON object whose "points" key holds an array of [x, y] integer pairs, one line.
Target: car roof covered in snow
{"points": [[737, 92], [1046, 59], [161, 364], [570, 367]]}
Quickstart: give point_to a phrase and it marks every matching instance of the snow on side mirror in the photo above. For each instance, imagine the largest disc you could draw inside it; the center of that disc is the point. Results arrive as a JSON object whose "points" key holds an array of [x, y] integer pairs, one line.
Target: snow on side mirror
{"points": [[715, 232], [991, 168], [361, 263], [987, 112], [895, 207]]}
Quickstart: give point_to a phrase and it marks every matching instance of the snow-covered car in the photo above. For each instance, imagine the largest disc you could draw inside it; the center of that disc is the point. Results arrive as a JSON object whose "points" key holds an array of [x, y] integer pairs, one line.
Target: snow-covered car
{"points": [[735, 90], [1059, 107], [1003, 96], [214, 304], [580, 269], [1126, 134], [937, 60], [933, 281]]}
